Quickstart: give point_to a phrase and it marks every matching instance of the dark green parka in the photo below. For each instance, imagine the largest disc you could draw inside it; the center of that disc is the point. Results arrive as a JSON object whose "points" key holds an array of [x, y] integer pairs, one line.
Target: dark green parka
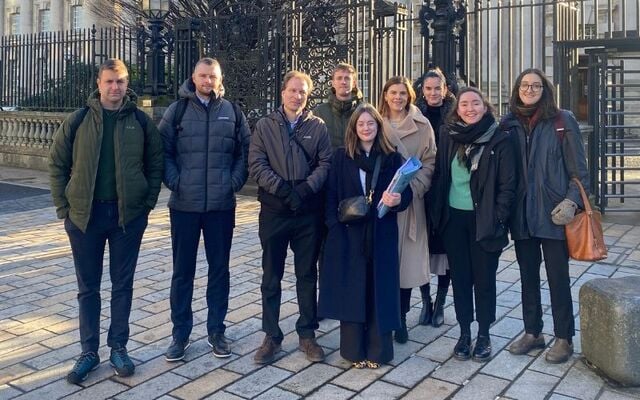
{"points": [[336, 114], [73, 163]]}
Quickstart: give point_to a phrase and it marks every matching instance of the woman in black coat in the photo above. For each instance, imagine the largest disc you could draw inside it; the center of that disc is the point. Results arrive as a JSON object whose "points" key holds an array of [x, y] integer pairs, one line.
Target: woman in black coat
{"points": [[435, 104], [475, 189], [359, 281], [550, 153]]}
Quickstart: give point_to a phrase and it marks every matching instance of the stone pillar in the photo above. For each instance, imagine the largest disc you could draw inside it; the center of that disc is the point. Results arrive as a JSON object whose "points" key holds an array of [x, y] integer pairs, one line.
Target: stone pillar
{"points": [[3, 16], [26, 16], [57, 15]]}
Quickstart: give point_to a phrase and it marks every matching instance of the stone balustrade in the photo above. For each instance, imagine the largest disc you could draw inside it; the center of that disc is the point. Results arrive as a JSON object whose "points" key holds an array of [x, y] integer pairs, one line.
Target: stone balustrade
{"points": [[25, 137]]}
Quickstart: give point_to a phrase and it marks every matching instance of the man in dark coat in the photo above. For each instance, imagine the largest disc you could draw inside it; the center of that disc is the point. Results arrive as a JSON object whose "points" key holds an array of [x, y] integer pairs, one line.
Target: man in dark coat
{"points": [[343, 98], [104, 190], [205, 165], [289, 158]]}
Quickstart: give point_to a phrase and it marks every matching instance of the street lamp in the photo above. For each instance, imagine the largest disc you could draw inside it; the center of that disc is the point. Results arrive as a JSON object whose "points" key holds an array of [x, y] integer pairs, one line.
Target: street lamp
{"points": [[156, 11]]}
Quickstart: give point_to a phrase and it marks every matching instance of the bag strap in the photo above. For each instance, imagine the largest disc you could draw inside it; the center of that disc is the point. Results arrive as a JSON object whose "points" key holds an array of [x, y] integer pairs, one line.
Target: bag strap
{"points": [[374, 178], [583, 194]]}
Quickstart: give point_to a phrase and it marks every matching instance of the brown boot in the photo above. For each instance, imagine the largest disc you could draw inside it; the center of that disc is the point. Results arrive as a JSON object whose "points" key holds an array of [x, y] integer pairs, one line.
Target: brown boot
{"points": [[526, 343], [313, 351], [267, 351], [560, 352]]}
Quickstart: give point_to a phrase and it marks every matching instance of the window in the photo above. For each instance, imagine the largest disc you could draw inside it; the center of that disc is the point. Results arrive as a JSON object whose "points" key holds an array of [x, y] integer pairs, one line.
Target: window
{"points": [[13, 23], [74, 17], [44, 20]]}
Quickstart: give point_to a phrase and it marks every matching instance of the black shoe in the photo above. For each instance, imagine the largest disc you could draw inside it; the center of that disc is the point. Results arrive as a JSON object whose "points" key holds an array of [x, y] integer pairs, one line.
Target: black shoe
{"points": [[462, 350], [176, 350], [220, 345], [482, 350], [425, 314], [121, 362], [87, 362], [437, 318], [401, 335]]}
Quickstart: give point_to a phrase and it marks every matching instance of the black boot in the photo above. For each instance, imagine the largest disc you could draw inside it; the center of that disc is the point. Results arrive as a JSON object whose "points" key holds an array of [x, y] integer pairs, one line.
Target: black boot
{"points": [[401, 335], [425, 314], [437, 317]]}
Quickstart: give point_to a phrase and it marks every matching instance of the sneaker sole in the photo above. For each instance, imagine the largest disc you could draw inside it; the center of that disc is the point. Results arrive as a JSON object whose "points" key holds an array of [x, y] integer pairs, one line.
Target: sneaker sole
{"points": [[85, 377], [219, 355], [178, 358]]}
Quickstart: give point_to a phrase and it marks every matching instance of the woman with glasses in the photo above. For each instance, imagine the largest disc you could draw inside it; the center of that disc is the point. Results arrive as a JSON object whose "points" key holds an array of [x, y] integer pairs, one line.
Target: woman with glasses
{"points": [[411, 133], [550, 153], [475, 186], [359, 280], [435, 103]]}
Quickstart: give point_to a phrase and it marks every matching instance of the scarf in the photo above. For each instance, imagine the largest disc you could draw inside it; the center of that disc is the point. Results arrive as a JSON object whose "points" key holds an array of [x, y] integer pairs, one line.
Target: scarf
{"points": [[471, 139]]}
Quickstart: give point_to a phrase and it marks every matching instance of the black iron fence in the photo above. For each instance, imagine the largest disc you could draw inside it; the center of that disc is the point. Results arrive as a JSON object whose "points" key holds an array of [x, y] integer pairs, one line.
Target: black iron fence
{"points": [[56, 71]]}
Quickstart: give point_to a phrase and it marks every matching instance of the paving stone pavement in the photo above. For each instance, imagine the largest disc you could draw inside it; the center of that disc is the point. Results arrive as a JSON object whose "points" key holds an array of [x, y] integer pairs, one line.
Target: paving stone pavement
{"points": [[39, 337]]}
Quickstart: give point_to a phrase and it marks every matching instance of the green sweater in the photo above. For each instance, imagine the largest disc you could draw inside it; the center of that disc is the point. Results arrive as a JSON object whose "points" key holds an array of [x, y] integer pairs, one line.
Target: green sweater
{"points": [[460, 190]]}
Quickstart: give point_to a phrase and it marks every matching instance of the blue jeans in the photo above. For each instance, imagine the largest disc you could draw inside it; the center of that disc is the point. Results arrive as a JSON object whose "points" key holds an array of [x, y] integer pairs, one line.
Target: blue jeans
{"points": [[88, 254], [217, 229]]}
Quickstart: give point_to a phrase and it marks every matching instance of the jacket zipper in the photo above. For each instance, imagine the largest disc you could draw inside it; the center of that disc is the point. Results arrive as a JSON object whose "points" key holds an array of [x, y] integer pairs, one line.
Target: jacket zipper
{"points": [[206, 154], [116, 146]]}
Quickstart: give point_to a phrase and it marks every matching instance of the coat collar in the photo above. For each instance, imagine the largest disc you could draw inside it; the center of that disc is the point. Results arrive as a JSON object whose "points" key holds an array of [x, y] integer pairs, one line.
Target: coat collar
{"points": [[409, 124]]}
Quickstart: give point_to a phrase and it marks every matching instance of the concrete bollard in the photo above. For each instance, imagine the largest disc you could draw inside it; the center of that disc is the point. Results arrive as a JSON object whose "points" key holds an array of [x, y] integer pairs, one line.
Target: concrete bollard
{"points": [[610, 327]]}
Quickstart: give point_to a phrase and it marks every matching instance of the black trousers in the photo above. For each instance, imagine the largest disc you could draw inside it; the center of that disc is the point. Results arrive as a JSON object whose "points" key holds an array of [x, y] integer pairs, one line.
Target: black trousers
{"points": [[363, 341], [556, 262], [88, 252], [217, 230], [303, 234], [473, 271]]}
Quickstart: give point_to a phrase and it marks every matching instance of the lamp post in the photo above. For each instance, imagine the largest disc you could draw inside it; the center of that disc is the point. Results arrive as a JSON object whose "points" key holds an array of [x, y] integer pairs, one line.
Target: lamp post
{"points": [[156, 11], [444, 18]]}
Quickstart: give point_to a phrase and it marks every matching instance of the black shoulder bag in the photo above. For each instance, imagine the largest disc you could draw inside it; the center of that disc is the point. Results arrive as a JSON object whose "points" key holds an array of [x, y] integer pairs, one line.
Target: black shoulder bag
{"points": [[356, 208]]}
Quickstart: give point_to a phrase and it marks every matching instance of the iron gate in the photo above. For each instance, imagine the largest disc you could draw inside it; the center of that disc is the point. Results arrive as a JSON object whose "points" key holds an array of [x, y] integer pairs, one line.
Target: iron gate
{"points": [[258, 42]]}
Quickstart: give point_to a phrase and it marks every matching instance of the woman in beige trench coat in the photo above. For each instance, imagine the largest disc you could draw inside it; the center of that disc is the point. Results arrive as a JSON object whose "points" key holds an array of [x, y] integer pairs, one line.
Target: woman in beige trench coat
{"points": [[411, 133]]}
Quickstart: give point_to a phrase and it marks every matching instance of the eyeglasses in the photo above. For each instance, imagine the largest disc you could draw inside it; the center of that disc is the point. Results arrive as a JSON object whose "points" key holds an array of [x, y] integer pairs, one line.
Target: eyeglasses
{"points": [[535, 87]]}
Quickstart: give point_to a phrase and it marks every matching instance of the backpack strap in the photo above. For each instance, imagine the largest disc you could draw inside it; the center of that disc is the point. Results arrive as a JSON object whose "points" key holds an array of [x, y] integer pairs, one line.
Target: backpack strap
{"points": [[181, 107], [558, 124], [75, 123]]}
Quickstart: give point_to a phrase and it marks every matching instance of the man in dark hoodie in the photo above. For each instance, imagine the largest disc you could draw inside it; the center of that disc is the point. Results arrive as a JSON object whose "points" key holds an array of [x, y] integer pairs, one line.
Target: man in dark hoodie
{"points": [[105, 167], [206, 141], [343, 98], [289, 158]]}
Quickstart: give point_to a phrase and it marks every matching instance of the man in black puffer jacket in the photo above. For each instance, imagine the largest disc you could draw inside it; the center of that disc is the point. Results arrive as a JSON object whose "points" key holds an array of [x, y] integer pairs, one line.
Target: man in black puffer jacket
{"points": [[205, 165]]}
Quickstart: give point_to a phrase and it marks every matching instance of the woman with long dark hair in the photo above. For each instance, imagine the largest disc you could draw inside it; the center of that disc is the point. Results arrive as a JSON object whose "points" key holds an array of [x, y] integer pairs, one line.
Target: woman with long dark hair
{"points": [[475, 187], [360, 278], [435, 103], [410, 132], [550, 154]]}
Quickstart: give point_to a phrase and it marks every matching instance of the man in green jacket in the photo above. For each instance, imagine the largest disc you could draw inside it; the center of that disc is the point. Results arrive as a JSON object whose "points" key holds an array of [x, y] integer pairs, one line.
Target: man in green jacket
{"points": [[343, 99], [106, 165]]}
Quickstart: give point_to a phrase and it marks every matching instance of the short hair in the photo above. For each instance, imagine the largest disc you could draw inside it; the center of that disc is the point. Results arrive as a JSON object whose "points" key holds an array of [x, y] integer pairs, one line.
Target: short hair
{"points": [[345, 67], [381, 142], [297, 74], [546, 105], [383, 107], [207, 61], [453, 114], [114, 64]]}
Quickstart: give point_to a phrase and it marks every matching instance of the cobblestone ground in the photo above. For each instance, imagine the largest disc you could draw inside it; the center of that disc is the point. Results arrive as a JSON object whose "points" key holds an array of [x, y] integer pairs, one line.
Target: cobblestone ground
{"points": [[39, 336]]}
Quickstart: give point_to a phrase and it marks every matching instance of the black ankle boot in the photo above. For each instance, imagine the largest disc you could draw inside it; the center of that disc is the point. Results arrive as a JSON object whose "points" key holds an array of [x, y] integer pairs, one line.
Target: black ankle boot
{"points": [[401, 335], [437, 317], [426, 313]]}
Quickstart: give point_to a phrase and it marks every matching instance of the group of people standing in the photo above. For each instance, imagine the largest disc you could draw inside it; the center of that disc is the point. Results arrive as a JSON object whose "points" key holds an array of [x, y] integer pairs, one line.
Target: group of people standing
{"points": [[480, 179]]}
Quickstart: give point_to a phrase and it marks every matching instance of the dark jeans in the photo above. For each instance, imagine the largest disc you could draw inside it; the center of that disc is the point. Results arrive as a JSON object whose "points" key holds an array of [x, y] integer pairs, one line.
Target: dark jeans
{"points": [[217, 230], [556, 262], [363, 341], [473, 271], [303, 234], [88, 255]]}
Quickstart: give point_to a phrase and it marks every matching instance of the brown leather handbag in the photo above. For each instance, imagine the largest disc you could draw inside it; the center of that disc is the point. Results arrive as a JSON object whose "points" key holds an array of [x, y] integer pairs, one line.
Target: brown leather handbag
{"points": [[584, 233]]}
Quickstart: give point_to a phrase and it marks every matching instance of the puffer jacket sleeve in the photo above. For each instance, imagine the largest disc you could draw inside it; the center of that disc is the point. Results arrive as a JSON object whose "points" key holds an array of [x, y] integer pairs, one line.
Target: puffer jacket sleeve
{"points": [[259, 168], [574, 157], [153, 162], [239, 172], [60, 162], [318, 176], [169, 136], [507, 178]]}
